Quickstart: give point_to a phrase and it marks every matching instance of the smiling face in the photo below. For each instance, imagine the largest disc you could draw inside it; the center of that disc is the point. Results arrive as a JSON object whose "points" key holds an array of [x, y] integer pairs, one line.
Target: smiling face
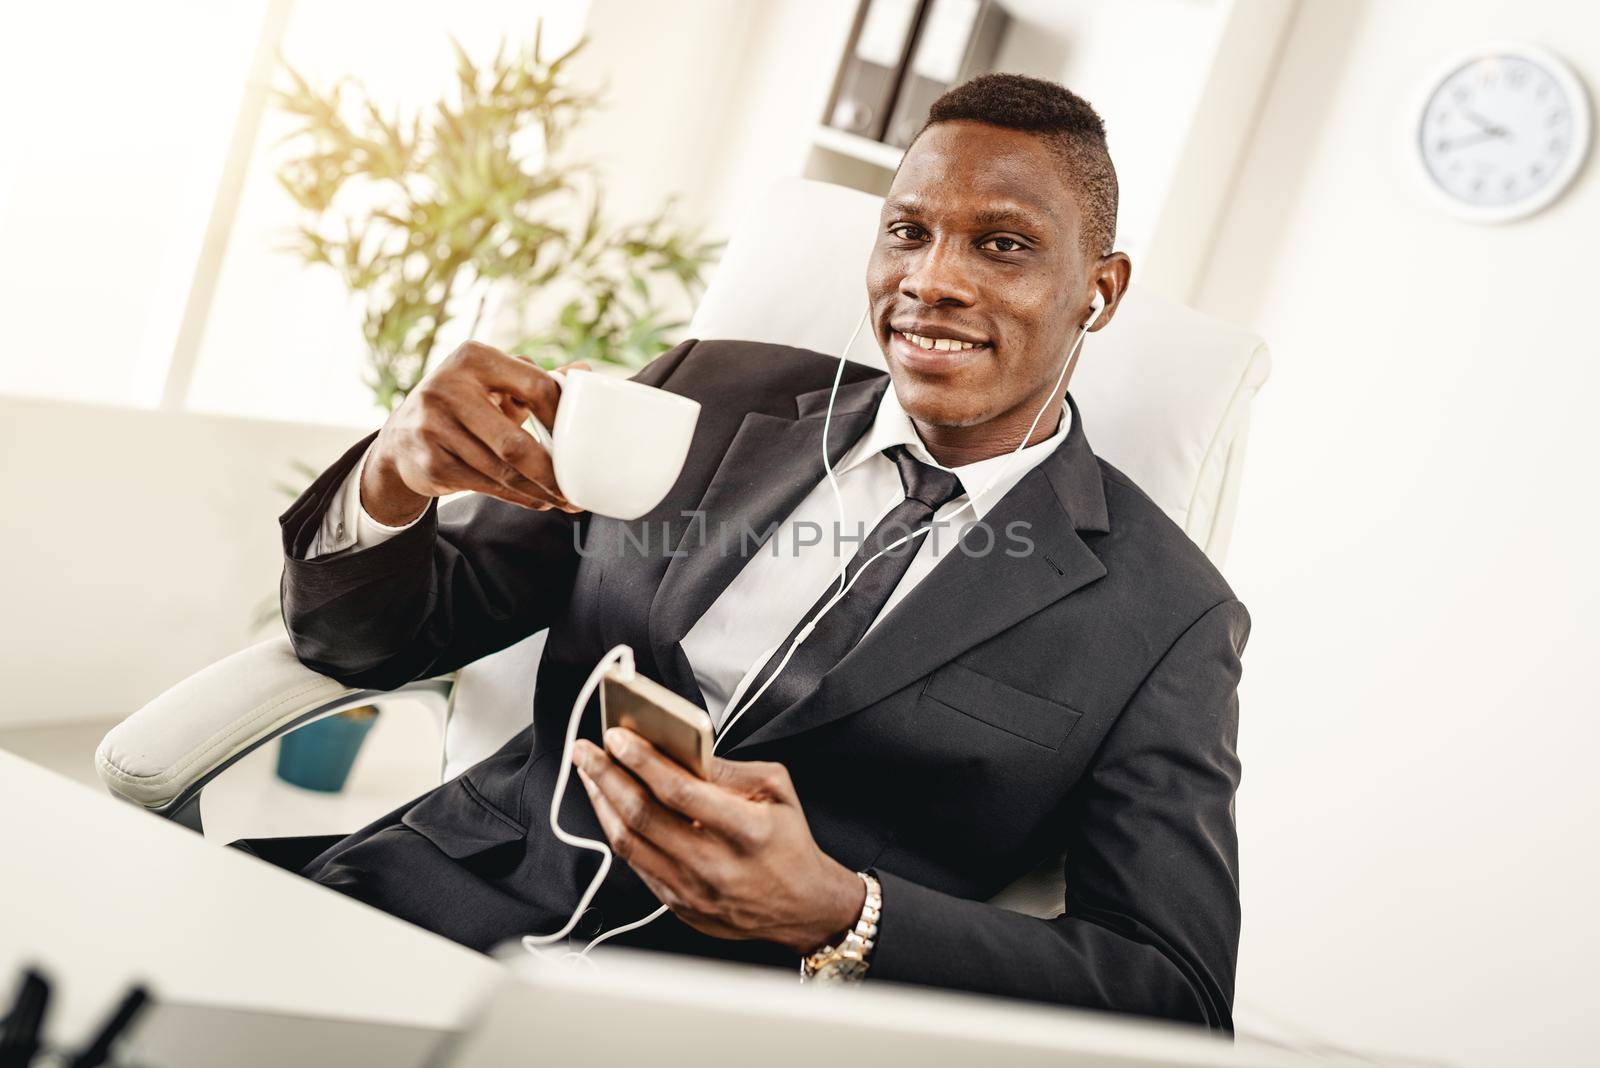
{"points": [[978, 282]]}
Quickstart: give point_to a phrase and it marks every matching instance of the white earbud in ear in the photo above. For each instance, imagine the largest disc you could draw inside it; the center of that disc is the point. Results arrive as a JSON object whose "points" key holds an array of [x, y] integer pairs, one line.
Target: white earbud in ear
{"points": [[1096, 306]]}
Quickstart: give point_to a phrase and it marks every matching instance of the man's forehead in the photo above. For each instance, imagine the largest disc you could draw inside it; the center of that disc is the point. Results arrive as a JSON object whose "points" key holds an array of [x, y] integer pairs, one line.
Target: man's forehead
{"points": [[964, 168]]}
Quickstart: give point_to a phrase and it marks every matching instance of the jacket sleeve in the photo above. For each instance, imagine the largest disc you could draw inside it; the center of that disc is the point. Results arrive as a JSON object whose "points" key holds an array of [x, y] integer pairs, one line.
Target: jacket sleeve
{"points": [[471, 577], [1152, 912]]}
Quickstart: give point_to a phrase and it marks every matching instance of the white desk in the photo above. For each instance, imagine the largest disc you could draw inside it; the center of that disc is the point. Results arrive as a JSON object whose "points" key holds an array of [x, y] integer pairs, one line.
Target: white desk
{"points": [[639, 1009], [99, 893]]}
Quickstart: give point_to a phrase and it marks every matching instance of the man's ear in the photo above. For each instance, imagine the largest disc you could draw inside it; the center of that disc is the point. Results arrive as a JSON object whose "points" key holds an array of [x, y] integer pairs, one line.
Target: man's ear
{"points": [[1110, 277]]}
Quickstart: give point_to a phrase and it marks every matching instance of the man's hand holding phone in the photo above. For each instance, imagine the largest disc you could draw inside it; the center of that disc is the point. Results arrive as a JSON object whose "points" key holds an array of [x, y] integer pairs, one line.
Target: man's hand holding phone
{"points": [[731, 854], [461, 429]]}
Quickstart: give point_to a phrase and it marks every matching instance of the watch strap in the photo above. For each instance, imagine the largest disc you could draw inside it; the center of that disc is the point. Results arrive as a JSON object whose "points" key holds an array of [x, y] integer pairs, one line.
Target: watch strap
{"points": [[857, 945]]}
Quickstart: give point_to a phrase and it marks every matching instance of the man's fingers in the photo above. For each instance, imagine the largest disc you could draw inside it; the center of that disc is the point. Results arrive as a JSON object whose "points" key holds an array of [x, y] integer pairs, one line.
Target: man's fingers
{"points": [[476, 454], [441, 471], [453, 474], [758, 780], [512, 375], [515, 410], [470, 476], [511, 447], [639, 811], [509, 406], [677, 788], [657, 869], [527, 478]]}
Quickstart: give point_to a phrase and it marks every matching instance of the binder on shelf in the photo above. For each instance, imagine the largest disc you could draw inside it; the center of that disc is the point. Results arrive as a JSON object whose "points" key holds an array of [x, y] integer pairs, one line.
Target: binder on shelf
{"points": [[874, 61], [955, 40]]}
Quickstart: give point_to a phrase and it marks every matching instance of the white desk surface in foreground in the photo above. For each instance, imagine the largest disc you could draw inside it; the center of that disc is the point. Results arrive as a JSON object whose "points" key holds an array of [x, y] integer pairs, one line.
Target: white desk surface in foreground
{"points": [[99, 893], [640, 1009]]}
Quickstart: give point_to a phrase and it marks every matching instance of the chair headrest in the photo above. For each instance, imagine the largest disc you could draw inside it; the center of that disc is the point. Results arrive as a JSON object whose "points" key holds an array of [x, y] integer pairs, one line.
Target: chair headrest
{"points": [[1162, 389]]}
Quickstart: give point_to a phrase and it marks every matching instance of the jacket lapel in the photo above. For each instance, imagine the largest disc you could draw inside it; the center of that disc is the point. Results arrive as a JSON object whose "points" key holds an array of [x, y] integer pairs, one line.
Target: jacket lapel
{"points": [[770, 467], [968, 599]]}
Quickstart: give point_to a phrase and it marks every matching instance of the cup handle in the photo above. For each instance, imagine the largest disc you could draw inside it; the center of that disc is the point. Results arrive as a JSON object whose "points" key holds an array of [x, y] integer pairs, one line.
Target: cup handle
{"points": [[536, 427]]}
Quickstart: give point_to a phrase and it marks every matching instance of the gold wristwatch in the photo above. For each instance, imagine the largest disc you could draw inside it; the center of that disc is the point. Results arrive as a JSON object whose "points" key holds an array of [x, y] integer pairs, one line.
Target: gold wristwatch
{"points": [[849, 960]]}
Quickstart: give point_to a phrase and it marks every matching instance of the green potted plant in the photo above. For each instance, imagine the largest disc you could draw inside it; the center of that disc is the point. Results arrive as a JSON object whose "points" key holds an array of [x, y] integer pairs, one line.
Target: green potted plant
{"points": [[471, 199]]}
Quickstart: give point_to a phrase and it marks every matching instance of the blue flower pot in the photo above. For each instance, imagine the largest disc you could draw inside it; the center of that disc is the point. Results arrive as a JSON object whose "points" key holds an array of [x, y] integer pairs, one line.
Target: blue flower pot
{"points": [[319, 755]]}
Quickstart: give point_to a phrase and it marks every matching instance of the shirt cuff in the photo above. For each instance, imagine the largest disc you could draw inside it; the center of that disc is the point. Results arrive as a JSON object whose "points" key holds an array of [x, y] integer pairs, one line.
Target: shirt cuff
{"points": [[346, 525]]}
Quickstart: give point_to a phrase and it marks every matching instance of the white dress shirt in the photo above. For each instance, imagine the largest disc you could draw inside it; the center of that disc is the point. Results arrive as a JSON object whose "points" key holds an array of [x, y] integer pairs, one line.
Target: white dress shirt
{"points": [[764, 602]]}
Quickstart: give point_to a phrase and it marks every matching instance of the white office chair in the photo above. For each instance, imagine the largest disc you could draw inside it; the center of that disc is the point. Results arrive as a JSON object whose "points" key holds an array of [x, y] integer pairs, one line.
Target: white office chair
{"points": [[1165, 395]]}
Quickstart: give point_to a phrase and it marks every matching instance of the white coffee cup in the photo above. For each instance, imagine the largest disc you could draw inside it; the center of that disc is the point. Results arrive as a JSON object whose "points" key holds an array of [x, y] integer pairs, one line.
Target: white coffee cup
{"points": [[617, 445]]}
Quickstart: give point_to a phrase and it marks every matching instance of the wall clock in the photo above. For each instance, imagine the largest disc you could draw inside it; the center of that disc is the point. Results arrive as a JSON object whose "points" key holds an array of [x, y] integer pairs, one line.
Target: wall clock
{"points": [[1502, 131]]}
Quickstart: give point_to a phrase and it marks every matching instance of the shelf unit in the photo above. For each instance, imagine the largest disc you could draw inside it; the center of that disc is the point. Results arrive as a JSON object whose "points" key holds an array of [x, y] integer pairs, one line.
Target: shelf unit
{"points": [[855, 146], [844, 158]]}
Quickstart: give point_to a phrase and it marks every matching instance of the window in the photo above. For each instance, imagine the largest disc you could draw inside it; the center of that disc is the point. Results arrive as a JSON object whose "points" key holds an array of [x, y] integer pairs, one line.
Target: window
{"points": [[141, 209], [116, 125]]}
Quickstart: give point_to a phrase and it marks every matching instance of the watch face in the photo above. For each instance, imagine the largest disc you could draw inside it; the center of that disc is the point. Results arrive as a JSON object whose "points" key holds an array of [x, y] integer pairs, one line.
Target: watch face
{"points": [[1502, 132], [839, 971]]}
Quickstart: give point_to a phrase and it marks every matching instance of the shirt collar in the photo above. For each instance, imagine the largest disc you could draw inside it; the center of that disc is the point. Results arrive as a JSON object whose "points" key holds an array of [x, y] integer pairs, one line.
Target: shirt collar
{"points": [[991, 479]]}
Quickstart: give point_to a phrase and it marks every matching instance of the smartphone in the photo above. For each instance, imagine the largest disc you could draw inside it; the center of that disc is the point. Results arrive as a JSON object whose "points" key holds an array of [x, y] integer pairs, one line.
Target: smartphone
{"points": [[679, 728]]}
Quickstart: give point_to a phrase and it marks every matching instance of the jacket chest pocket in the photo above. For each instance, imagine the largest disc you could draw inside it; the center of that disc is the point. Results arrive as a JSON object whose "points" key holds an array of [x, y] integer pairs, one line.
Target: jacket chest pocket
{"points": [[1026, 716]]}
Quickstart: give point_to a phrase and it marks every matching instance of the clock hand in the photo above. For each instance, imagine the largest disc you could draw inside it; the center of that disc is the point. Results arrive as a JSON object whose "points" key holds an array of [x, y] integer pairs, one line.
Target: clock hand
{"points": [[1468, 139], [1484, 124]]}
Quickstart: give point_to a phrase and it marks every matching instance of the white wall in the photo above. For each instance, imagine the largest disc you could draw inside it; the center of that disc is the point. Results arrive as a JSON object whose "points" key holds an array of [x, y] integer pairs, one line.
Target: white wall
{"points": [[1416, 545], [674, 76], [135, 547]]}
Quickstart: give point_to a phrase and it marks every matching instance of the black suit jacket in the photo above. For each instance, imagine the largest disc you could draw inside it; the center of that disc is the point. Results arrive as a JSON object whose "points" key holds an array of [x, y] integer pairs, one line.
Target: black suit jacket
{"points": [[1081, 694]]}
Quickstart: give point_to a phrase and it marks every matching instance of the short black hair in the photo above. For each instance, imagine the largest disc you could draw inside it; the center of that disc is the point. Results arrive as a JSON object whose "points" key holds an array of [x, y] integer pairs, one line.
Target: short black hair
{"points": [[1068, 124]]}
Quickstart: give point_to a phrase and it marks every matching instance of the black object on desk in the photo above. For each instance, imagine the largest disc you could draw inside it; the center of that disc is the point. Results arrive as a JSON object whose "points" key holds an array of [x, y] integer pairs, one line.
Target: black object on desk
{"points": [[21, 1032], [100, 1049], [177, 1035]]}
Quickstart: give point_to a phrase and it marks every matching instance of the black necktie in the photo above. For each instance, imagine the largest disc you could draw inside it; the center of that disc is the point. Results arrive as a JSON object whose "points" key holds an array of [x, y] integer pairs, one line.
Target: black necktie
{"points": [[927, 489]]}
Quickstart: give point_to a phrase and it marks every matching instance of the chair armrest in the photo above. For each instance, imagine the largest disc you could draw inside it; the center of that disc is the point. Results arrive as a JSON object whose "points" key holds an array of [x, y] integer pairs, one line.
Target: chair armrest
{"points": [[163, 755]]}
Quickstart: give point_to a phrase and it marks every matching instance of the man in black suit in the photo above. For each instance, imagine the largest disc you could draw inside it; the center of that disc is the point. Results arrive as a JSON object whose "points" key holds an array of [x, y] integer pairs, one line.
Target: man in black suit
{"points": [[1063, 678]]}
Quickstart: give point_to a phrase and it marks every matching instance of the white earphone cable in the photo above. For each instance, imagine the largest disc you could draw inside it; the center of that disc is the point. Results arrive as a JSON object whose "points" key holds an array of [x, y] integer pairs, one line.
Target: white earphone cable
{"points": [[622, 656], [745, 703], [827, 427]]}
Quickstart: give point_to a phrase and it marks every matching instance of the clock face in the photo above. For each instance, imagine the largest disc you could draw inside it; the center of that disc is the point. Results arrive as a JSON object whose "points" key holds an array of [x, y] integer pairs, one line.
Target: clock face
{"points": [[1503, 132]]}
